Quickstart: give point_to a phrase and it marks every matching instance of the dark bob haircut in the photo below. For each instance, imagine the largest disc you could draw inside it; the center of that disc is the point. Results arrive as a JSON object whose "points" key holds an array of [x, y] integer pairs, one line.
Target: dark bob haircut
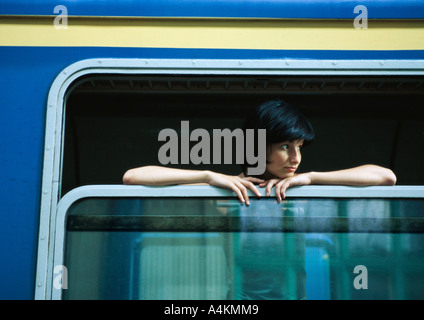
{"points": [[282, 121]]}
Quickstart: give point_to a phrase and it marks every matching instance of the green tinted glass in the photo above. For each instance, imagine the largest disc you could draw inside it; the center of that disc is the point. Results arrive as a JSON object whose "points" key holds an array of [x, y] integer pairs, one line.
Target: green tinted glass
{"points": [[215, 248]]}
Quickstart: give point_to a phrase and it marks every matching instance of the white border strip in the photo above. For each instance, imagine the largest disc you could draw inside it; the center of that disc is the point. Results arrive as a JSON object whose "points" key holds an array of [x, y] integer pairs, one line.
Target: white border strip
{"points": [[56, 104], [197, 191]]}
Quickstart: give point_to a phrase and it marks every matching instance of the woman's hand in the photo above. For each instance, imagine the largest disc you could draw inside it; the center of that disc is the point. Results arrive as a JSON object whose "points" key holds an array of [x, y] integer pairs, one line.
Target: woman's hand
{"points": [[238, 184], [365, 175], [281, 185]]}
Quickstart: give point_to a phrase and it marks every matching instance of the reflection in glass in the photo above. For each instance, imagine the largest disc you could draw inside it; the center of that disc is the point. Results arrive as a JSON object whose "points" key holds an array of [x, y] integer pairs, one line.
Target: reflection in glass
{"points": [[152, 248]]}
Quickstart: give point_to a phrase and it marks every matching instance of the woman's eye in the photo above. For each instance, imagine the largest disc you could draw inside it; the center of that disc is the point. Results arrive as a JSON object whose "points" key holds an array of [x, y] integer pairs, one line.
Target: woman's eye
{"points": [[285, 147]]}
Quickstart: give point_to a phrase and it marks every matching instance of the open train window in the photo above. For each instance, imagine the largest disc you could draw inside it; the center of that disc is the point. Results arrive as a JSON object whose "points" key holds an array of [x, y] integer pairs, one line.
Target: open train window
{"points": [[104, 117], [112, 123]]}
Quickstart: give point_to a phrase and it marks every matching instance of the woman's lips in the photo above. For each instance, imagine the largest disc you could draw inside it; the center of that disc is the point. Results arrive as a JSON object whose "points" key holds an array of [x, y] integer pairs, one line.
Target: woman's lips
{"points": [[291, 169]]}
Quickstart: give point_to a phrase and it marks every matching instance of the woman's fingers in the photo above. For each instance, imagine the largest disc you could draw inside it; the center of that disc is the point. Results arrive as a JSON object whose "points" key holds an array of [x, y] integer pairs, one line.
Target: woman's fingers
{"points": [[238, 192], [269, 186], [280, 185], [243, 191], [251, 186], [260, 182], [243, 184], [277, 192], [239, 185], [280, 189]]}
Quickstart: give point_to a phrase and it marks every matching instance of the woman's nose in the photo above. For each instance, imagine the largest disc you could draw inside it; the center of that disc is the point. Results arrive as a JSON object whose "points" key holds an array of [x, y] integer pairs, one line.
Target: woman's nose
{"points": [[295, 157]]}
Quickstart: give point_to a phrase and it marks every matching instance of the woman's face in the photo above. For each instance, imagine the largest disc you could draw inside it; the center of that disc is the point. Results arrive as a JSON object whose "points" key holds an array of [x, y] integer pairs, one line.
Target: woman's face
{"points": [[284, 158]]}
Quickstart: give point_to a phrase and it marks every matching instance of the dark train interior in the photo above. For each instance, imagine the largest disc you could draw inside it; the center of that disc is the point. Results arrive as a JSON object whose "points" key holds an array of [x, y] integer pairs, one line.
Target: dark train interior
{"points": [[112, 122]]}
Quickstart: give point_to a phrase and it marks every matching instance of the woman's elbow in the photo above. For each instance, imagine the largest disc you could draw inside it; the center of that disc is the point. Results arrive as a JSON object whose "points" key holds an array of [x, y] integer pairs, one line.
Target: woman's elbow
{"points": [[134, 176], [389, 178], [140, 176], [128, 177]]}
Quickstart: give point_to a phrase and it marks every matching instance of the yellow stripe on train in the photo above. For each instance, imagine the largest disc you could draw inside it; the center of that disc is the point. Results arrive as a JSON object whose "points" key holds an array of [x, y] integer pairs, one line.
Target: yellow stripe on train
{"points": [[274, 34]]}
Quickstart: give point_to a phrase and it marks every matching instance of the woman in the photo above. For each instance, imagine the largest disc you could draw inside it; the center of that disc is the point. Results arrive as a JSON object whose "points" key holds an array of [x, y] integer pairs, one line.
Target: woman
{"points": [[287, 131]]}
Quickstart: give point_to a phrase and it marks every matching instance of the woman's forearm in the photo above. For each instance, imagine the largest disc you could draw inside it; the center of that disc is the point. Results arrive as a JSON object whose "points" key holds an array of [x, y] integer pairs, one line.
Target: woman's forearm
{"points": [[366, 175], [161, 176]]}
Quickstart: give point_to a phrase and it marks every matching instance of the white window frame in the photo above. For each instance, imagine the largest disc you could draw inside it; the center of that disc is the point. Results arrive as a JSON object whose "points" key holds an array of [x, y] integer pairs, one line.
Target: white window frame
{"points": [[55, 120]]}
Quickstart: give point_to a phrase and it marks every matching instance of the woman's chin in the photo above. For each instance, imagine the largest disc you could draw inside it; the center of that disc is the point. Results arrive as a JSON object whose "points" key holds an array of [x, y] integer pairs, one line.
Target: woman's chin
{"points": [[285, 175], [278, 175]]}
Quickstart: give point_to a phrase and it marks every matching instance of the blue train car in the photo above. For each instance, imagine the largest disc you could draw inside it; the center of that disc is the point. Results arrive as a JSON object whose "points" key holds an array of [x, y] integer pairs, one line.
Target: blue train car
{"points": [[87, 85]]}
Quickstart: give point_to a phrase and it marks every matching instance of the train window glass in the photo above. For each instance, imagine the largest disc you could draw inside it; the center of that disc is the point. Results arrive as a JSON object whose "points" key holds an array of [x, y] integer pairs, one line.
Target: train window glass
{"points": [[214, 248]]}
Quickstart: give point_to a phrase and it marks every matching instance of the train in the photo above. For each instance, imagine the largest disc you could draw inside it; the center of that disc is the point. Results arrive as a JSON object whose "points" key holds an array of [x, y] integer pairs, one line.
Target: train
{"points": [[86, 87]]}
